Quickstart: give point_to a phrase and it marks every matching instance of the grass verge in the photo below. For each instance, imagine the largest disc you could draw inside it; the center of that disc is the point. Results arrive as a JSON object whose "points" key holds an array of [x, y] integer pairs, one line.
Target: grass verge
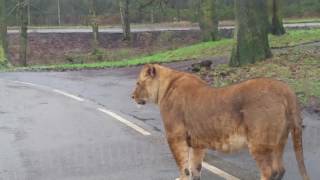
{"points": [[197, 51], [301, 20]]}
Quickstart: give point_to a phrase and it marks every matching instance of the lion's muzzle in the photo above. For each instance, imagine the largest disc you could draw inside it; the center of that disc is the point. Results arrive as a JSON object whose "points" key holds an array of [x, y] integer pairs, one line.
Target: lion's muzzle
{"points": [[138, 101]]}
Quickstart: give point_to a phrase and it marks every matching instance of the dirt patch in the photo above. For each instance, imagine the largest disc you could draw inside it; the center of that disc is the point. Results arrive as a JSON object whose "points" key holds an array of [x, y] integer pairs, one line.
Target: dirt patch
{"points": [[207, 70], [297, 66]]}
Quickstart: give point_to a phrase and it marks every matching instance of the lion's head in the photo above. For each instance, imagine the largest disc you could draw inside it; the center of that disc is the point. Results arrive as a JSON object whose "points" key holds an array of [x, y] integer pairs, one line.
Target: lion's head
{"points": [[147, 86]]}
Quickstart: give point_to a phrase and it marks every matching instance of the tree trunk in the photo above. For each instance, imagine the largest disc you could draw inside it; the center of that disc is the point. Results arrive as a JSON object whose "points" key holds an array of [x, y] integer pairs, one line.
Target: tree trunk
{"points": [[152, 15], [3, 35], [209, 20], [23, 18], [94, 25], [125, 20], [29, 12], [59, 12], [251, 33], [276, 26], [140, 14], [299, 13], [178, 14]]}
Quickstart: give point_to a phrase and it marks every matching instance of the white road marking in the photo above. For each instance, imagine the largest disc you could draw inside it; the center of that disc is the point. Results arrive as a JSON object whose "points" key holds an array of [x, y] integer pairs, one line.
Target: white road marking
{"points": [[68, 95], [126, 122], [54, 90], [30, 84], [218, 171]]}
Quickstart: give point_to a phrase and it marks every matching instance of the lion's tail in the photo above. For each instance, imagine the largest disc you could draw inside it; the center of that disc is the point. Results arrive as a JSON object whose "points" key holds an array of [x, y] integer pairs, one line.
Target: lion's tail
{"points": [[296, 133]]}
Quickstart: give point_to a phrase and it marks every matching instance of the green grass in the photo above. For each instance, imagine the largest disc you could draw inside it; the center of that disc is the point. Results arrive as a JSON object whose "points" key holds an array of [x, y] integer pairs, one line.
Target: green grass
{"points": [[197, 51], [201, 50], [285, 21], [101, 55], [301, 20], [295, 37], [3, 60]]}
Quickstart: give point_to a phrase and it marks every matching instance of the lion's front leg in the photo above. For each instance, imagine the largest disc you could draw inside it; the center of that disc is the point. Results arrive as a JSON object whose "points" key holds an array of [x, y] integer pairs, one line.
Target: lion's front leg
{"points": [[180, 151], [196, 158]]}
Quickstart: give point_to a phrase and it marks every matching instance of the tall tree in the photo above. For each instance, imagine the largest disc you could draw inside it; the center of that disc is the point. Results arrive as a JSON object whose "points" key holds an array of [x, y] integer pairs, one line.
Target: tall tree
{"points": [[29, 12], [59, 12], [125, 19], [178, 6], [277, 25], [94, 24], [152, 15], [251, 33], [3, 34], [23, 22], [209, 20]]}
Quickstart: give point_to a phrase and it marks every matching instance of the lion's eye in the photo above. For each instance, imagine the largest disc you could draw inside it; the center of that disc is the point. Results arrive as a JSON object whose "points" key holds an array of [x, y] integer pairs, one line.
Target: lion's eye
{"points": [[138, 84]]}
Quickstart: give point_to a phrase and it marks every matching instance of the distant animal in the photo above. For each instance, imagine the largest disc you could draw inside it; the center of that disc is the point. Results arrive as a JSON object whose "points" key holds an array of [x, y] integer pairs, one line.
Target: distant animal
{"points": [[257, 114]]}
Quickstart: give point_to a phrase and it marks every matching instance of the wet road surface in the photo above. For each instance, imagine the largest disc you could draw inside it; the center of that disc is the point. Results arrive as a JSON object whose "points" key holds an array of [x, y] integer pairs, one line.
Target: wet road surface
{"points": [[47, 136], [80, 140]]}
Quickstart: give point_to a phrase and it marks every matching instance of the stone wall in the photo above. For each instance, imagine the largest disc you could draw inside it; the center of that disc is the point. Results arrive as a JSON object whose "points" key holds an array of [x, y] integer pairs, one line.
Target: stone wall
{"points": [[51, 48]]}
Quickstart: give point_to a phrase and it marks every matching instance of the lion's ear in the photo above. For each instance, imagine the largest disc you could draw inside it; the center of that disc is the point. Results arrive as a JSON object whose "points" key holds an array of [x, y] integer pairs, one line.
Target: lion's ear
{"points": [[151, 71]]}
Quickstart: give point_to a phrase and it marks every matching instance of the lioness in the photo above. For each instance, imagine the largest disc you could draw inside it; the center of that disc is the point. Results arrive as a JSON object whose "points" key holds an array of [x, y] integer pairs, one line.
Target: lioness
{"points": [[258, 114]]}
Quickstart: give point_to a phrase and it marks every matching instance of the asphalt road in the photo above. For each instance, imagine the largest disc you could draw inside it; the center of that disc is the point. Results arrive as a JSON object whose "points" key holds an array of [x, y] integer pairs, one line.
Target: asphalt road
{"points": [[146, 29], [50, 136], [45, 135]]}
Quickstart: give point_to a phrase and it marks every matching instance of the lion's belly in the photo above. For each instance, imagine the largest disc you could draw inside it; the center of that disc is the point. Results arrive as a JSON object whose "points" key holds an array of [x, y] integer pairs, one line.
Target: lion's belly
{"points": [[233, 143], [228, 144]]}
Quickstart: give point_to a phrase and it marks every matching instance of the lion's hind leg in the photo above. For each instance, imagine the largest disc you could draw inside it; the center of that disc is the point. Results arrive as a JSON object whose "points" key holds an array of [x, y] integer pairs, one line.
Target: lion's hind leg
{"points": [[263, 158], [196, 158], [269, 161], [277, 162]]}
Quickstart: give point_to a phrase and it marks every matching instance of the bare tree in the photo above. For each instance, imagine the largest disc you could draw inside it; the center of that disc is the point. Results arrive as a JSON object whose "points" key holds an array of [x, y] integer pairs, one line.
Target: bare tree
{"points": [[209, 20], [59, 12], [29, 12], [94, 24], [3, 34], [23, 21], [125, 19], [251, 32]]}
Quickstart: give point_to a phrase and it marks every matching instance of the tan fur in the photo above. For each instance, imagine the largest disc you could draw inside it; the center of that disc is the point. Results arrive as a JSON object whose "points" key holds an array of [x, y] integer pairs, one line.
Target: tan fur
{"points": [[258, 114]]}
